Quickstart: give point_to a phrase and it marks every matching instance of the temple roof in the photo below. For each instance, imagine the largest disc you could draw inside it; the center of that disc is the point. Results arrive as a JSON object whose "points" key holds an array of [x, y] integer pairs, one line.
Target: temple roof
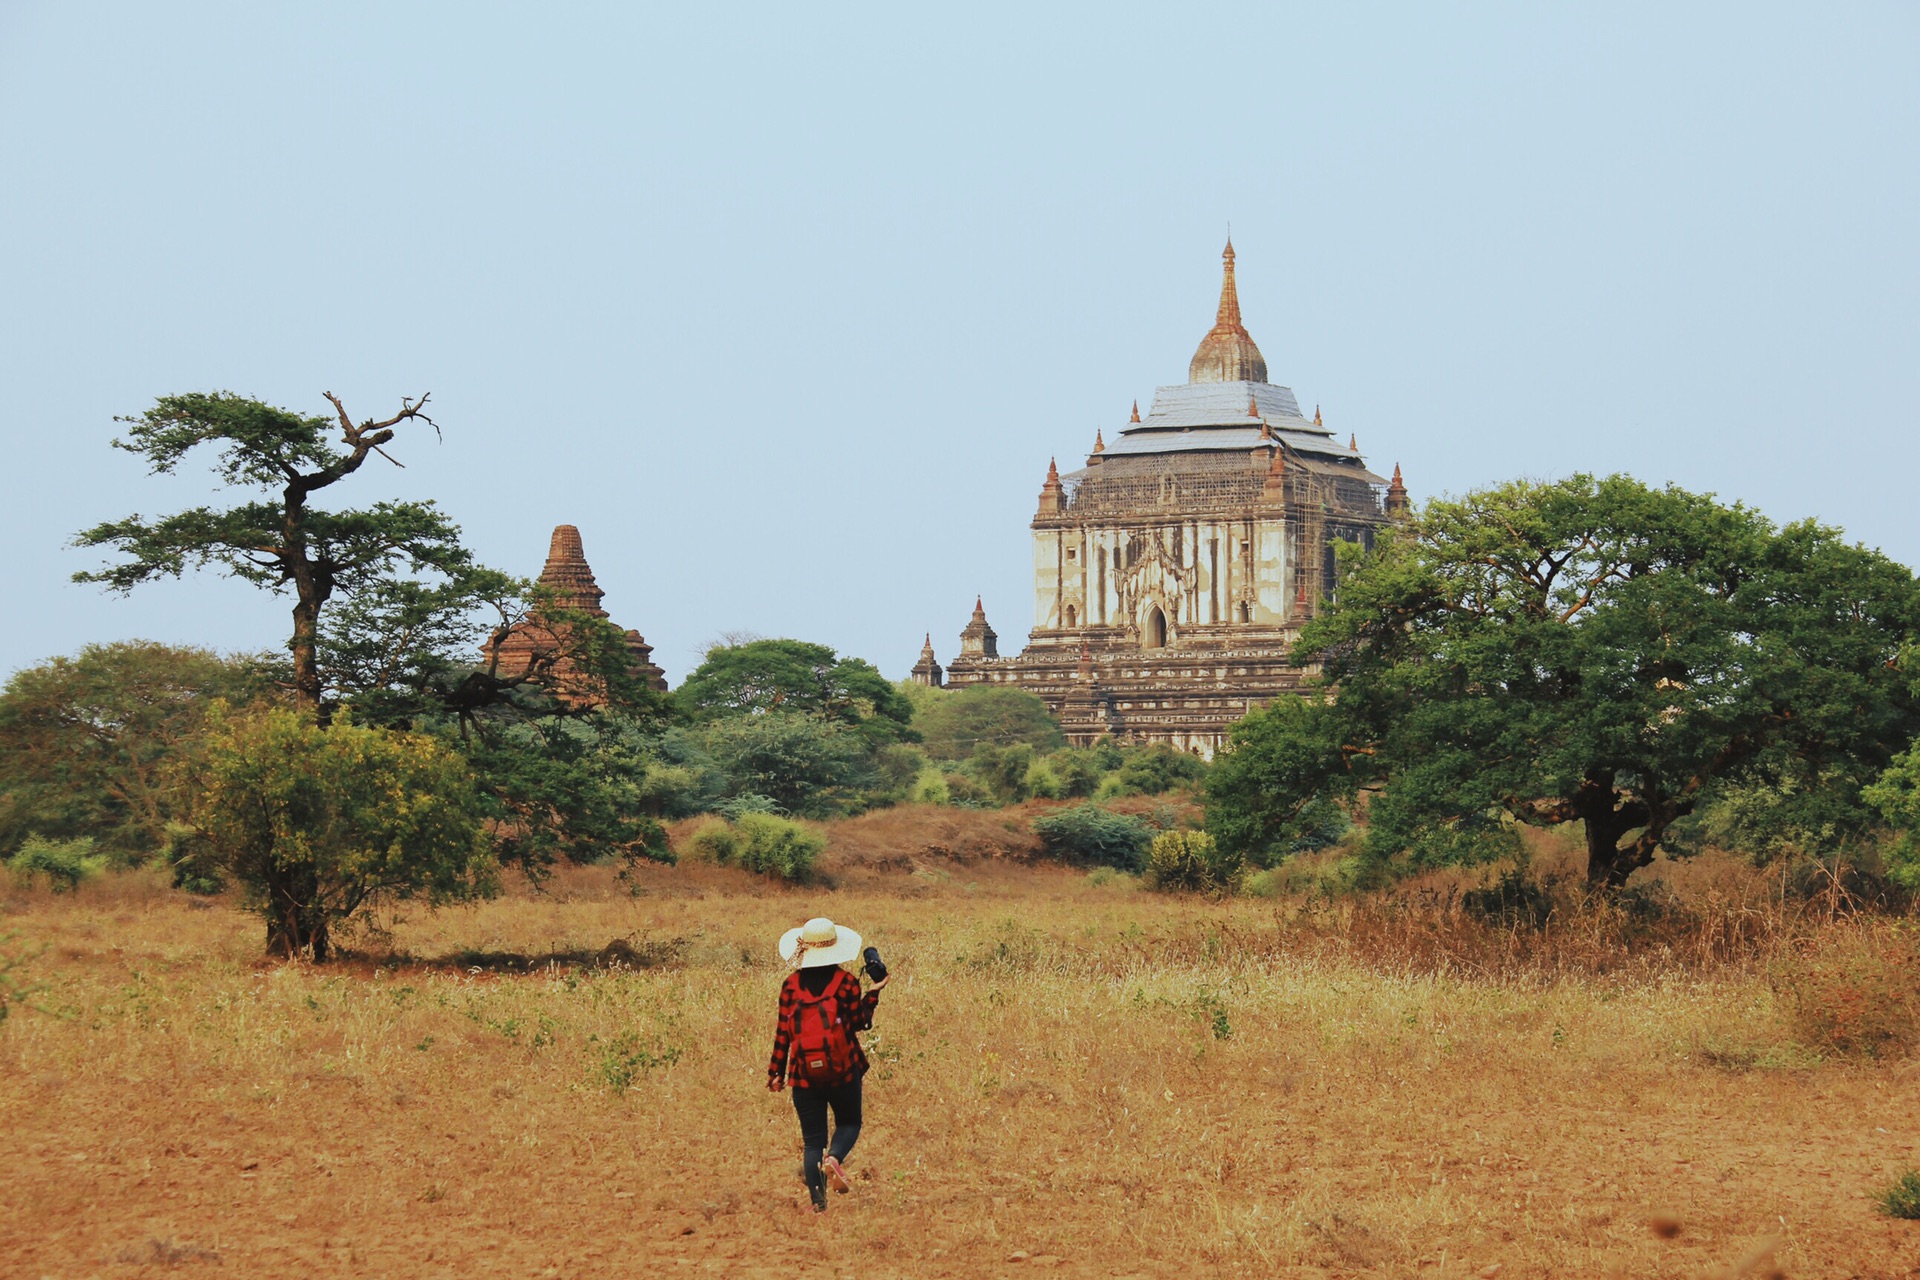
{"points": [[1227, 353]]}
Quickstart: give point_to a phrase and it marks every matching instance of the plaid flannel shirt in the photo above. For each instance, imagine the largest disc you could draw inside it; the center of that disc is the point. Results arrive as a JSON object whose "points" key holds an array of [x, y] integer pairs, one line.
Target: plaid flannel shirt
{"points": [[856, 1008]]}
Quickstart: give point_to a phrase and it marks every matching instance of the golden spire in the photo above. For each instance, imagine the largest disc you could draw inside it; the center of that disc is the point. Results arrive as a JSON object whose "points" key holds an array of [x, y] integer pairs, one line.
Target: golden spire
{"points": [[1353, 443], [1099, 441], [1136, 411], [1229, 315], [1253, 407], [1228, 352], [1316, 417]]}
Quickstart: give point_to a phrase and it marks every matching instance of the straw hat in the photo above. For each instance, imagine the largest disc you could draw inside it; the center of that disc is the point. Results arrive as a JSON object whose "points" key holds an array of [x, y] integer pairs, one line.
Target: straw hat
{"points": [[819, 942]]}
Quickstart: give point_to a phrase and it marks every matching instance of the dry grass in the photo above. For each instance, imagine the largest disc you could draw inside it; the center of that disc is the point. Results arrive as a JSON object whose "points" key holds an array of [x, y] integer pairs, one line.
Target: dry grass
{"points": [[1105, 1081]]}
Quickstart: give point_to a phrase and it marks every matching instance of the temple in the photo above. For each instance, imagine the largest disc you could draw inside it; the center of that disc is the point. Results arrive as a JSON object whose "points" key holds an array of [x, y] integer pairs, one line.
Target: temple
{"points": [[1173, 571], [539, 644]]}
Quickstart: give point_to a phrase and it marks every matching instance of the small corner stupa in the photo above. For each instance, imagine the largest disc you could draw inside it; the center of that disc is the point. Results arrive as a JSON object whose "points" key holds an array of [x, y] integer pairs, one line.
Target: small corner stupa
{"points": [[537, 646]]}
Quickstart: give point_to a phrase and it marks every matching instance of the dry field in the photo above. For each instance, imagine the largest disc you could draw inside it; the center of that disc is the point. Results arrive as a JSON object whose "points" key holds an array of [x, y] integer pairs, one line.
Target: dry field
{"points": [[1072, 1078]]}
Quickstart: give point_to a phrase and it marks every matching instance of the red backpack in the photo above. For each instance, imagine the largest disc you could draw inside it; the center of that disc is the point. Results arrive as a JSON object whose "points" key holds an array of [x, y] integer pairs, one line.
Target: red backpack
{"points": [[822, 1045]]}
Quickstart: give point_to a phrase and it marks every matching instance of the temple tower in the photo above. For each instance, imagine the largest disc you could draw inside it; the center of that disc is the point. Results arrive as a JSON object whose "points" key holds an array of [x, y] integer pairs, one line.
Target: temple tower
{"points": [[541, 645], [1173, 571], [927, 671]]}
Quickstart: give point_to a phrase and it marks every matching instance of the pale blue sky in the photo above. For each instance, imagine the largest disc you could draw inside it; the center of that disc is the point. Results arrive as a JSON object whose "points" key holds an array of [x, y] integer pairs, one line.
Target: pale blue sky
{"points": [[787, 309]]}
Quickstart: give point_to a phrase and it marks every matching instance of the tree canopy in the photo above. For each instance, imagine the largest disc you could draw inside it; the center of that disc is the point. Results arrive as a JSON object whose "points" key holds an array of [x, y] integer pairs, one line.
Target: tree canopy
{"points": [[794, 676], [280, 540], [1591, 651], [88, 744], [320, 824]]}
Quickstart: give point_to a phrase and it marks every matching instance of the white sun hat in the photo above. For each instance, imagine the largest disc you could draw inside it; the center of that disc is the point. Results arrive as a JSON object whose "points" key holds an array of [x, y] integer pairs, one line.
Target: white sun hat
{"points": [[819, 942]]}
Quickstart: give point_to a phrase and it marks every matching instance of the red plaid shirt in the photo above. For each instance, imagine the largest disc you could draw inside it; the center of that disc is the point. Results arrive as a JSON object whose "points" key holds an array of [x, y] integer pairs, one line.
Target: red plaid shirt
{"points": [[855, 1008]]}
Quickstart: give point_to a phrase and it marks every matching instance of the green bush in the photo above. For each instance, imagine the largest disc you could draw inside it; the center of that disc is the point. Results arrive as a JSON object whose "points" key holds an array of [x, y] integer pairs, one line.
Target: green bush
{"points": [[1088, 833], [64, 863], [931, 787], [1190, 861], [762, 843], [1902, 1199], [1158, 769]]}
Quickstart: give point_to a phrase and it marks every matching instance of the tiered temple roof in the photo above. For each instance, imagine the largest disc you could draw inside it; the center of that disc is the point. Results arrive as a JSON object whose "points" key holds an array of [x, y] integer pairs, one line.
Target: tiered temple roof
{"points": [[540, 644]]}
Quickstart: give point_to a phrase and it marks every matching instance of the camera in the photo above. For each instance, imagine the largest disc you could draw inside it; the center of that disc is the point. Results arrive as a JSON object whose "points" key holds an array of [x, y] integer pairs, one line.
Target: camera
{"points": [[875, 970]]}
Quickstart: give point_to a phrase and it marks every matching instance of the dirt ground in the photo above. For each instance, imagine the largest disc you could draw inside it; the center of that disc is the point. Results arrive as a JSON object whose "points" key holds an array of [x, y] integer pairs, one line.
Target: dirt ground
{"points": [[1070, 1078]]}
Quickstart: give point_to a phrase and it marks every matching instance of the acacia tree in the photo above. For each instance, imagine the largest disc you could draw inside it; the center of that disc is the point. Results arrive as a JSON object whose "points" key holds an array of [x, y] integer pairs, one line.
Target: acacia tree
{"points": [[1592, 651], [281, 540], [88, 744], [319, 825]]}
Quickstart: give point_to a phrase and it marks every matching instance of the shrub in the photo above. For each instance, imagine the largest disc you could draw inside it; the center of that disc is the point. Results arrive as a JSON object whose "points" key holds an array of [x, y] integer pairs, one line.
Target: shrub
{"points": [[762, 843], [1902, 1199], [64, 863], [931, 787], [1089, 833], [1158, 769], [1191, 861], [320, 825], [1854, 991]]}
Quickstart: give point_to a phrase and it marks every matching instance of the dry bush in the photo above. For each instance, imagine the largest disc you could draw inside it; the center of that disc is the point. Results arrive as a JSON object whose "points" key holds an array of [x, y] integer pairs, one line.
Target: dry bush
{"points": [[1854, 988]]}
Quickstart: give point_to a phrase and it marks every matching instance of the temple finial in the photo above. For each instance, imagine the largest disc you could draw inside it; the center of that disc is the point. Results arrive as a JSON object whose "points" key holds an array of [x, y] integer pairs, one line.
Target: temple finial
{"points": [[1353, 443], [1316, 417], [1229, 314], [1099, 441], [1053, 471], [1136, 411]]}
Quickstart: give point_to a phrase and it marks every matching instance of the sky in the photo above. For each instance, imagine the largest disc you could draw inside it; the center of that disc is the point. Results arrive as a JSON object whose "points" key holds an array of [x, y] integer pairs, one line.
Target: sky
{"points": [[787, 309]]}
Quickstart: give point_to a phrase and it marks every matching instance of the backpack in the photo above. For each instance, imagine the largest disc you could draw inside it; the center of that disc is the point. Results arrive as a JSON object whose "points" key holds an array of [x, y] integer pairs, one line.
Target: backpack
{"points": [[822, 1045]]}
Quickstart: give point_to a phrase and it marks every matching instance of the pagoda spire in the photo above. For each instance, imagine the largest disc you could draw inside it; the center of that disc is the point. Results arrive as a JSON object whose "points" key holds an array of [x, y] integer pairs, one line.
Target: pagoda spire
{"points": [[1228, 352], [1136, 411], [1253, 407], [1053, 498], [1353, 443], [1316, 417], [1398, 504], [927, 670], [1229, 314]]}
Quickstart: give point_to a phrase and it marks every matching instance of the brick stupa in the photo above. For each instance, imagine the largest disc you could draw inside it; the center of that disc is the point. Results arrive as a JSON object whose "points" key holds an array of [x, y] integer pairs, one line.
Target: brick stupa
{"points": [[538, 646]]}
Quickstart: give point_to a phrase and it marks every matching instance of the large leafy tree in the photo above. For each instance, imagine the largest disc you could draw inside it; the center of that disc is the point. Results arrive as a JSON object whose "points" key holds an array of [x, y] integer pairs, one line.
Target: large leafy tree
{"points": [[279, 539], [318, 826], [89, 744], [1591, 651], [794, 676], [954, 723]]}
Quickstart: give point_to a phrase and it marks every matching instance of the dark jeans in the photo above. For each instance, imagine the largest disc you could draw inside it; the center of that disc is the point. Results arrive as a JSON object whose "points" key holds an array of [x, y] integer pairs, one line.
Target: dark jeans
{"points": [[811, 1103]]}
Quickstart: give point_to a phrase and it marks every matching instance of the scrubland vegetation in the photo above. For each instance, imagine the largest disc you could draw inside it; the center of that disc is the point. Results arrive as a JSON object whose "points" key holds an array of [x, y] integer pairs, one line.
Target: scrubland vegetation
{"points": [[1067, 1066]]}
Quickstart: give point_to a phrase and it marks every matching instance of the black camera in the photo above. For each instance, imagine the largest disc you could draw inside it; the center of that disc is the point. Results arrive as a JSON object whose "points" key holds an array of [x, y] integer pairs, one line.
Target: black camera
{"points": [[875, 969]]}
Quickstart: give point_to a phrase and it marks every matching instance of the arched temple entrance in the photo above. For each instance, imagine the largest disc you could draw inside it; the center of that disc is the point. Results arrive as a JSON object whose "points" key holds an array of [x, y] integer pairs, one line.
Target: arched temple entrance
{"points": [[1156, 637]]}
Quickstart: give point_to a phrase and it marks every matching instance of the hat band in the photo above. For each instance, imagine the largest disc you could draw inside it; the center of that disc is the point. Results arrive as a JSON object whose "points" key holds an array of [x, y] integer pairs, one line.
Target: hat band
{"points": [[802, 946]]}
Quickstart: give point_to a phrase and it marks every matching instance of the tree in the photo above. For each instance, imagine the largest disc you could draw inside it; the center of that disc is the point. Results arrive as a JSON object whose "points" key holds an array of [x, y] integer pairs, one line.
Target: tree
{"points": [[1896, 798], [319, 825], [760, 676], [1592, 651], [88, 744], [805, 763], [953, 722], [280, 541], [580, 787]]}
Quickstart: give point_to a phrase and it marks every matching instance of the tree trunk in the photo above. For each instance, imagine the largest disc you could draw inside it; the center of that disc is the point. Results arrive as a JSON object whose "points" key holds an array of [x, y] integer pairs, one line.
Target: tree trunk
{"points": [[305, 646], [296, 924]]}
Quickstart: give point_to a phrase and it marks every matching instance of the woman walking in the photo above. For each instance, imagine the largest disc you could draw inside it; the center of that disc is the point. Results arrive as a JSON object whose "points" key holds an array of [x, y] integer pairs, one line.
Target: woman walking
{"points": [[816, 1046]]}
